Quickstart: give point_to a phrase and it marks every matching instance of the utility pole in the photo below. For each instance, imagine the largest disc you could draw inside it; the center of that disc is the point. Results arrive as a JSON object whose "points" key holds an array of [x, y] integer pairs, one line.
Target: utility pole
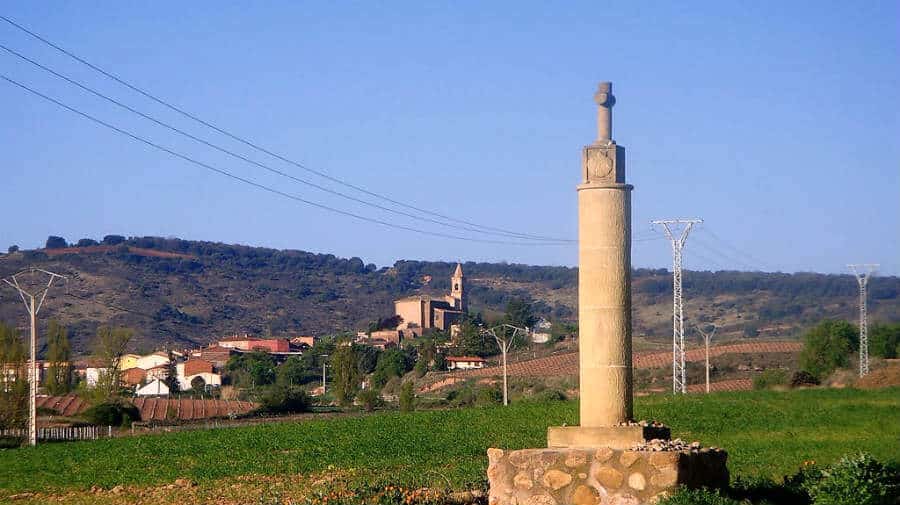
{"points": [[504, 344], [33, 301], [324, 363], [679, 383], [862, 272], [706, 339]]}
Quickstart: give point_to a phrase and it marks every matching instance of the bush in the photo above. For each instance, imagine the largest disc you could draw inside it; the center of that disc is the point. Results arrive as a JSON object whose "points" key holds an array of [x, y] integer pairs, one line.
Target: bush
{"points": [[697, 497], [284, 400], [369, 399], [859, 479], [114, 413], [551, 395], [770, 378], [803, 378], [407, 397], [827, 346], [54, 242]]}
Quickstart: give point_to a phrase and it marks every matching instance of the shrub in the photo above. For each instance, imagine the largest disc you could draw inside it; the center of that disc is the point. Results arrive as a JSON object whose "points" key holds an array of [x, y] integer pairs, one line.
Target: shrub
{"points": [[697, 497], [488, 395], [54, 242], [827, 347], [407, 397], [803, 378], [551, 395], [770, 378], [859, 479], [369, 399], [284, 400], [114, 413]]}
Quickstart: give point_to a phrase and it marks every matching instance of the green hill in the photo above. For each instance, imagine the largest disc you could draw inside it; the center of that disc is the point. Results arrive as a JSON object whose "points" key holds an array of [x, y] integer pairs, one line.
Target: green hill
{"points": [[188, 292]]}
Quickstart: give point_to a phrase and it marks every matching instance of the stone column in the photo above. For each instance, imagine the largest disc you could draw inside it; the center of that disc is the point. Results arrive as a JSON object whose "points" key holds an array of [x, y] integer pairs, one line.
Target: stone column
{"points": [[604, 276]]}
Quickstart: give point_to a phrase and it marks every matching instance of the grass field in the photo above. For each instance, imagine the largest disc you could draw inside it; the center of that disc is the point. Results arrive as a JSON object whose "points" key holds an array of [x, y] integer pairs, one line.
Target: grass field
{"points": [[765, 433]]}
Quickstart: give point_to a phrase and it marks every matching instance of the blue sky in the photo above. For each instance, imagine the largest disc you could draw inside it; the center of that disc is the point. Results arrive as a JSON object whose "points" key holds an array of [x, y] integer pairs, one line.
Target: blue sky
{"points": [[777, 124]]}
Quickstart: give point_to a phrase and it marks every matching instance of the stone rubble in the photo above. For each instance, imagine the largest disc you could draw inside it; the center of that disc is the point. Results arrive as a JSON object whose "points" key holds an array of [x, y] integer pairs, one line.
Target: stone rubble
{"points": [[643, 423], [659, 445]]}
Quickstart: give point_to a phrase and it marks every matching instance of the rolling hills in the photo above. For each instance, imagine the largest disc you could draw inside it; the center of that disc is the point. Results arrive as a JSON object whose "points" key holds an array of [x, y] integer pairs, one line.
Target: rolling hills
{"points": [[189, 292]]}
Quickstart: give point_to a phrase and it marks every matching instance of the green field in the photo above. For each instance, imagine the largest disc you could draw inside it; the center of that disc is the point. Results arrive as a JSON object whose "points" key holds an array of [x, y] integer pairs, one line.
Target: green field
{"points": [[766, 433]]}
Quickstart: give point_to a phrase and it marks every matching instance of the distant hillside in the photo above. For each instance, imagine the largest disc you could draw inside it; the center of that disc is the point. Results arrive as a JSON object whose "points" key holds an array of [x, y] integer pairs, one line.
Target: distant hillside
{"points": [[188, 292]]}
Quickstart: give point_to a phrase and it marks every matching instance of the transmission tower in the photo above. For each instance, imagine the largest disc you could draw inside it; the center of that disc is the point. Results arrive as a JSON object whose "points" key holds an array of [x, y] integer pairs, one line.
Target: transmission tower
{"points": [[679, 382], [862, 272], [33, 299], [706, 338]]}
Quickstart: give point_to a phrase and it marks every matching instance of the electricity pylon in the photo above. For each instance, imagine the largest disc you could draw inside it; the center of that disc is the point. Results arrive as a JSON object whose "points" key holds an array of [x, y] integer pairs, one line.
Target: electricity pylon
{"points": [[706, 338], [679, 383], [33, 301], [862, 272], [505, 344]]}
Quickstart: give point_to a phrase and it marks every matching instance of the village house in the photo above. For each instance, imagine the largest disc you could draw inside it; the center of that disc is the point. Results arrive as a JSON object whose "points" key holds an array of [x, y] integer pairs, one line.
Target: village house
{"points": [[464, 362], [153, 360], [215, 354], [303, 340], [154, 388], [250, 343], [134, 376], [129, 361]]}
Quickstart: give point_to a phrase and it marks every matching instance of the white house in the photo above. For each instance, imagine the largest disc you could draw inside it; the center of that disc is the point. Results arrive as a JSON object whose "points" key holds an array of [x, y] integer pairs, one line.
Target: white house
{"points": [[540, 334], [464, 362], [154, 388], [152, 360]]}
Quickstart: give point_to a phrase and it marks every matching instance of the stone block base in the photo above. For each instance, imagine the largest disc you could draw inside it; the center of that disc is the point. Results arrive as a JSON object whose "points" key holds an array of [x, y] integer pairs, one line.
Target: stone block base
{"points": [[598, 476], [616, 437]]}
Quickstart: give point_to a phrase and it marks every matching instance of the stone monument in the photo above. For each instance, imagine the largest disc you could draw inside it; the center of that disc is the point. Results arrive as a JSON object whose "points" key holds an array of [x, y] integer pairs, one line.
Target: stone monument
{"points": [[609, 459]]}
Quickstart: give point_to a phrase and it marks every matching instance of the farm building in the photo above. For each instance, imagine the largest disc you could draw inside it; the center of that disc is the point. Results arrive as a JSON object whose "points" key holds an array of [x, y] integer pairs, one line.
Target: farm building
{"points": [[464, 362]]}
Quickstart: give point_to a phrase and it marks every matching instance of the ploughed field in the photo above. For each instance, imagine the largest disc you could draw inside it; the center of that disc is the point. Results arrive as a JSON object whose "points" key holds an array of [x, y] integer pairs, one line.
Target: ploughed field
{"points": [[766, 433]]}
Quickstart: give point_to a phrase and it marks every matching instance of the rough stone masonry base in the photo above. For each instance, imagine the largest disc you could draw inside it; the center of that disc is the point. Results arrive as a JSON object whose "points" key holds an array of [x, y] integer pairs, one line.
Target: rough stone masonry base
{"points": [[598, 476]]}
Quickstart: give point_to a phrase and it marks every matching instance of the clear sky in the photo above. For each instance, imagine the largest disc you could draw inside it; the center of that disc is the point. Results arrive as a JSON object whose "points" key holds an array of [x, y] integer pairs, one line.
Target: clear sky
{"points": [[776, 122]]}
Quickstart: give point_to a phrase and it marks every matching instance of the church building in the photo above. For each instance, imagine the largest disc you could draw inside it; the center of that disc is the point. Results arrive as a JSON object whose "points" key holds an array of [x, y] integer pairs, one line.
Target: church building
{"points": [[423, 312]]}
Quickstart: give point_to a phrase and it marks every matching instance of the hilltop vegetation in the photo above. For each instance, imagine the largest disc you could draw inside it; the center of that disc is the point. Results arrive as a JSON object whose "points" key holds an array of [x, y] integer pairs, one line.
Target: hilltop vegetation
{"points": [[186, 292]]}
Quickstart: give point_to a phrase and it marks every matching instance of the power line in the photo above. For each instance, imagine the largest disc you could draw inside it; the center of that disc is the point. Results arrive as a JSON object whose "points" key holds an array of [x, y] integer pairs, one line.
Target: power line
{"points": [[259, 185], [258, 164], [254, 145]]}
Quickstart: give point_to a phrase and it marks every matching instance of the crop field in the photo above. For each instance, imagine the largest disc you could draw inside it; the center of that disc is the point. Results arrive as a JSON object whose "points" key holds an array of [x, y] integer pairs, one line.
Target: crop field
{"points": [[766, 433]]}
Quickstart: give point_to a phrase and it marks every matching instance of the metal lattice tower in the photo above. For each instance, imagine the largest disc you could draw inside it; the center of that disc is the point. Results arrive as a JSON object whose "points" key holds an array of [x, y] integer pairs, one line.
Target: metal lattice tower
{"points": [[679, 381], [862, 272]]}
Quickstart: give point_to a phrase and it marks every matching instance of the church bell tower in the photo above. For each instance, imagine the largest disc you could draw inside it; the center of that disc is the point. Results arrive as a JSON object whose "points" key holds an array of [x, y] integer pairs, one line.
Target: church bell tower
{"points": [[458, 289]]}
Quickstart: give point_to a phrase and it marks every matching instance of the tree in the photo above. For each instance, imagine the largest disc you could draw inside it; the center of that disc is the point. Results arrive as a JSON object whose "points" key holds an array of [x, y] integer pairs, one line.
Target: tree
{"points": [[251, 369], [12, 249], [827, 347], [113, 239], [367, 357], [471, 341], [85, 242], [440, 362], [171, 381], [884, 340], [519, 313], [345, 370], [14, 380], [59, 356], [392, 363], [283, 399], [292, 373], [407, 397], [109, 347], [54, 242], [198, 385]]}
